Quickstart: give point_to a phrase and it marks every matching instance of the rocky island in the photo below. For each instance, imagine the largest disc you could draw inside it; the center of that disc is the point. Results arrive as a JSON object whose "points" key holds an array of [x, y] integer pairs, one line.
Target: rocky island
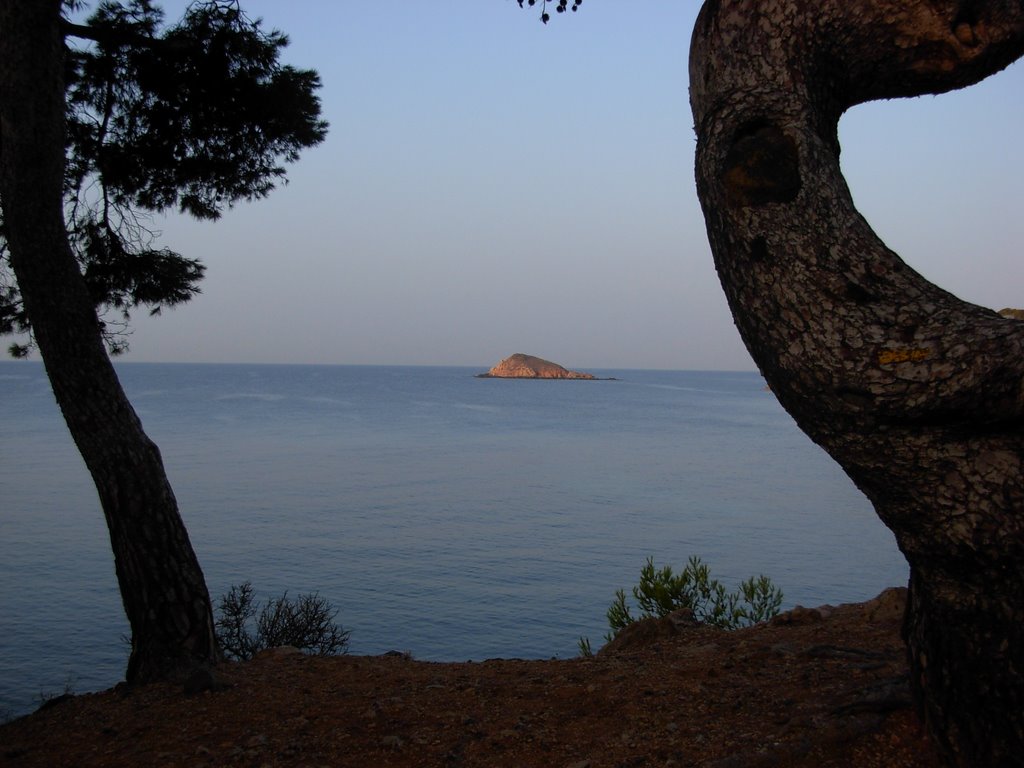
{"points": [[520, 366]]}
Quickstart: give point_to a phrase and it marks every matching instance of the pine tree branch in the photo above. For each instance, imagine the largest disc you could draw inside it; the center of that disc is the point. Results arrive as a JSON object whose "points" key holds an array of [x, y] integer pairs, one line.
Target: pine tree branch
{"points": [[117, 37]]}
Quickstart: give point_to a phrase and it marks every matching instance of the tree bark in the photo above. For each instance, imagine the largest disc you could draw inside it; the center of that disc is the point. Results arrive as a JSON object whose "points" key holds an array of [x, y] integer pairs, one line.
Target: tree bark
{"points": [[917, 394], [162, 585]]}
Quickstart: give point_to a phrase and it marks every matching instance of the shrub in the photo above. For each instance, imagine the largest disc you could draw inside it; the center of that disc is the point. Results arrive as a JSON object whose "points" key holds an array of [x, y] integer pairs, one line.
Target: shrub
{"points": [[583, 644], [661, 591], [307, 623]]}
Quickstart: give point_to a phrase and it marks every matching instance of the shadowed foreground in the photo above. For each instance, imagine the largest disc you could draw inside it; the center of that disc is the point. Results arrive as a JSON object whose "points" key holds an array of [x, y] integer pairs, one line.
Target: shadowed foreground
{"points": [[825, 687]]}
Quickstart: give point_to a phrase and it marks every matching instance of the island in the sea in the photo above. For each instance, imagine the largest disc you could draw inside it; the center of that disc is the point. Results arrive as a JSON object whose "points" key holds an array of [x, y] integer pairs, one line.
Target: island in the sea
{"points": [[520, 366]]}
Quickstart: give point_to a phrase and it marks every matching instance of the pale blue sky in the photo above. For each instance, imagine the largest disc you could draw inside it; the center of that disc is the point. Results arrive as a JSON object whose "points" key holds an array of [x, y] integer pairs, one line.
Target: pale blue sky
{"points": [[491, 185]]}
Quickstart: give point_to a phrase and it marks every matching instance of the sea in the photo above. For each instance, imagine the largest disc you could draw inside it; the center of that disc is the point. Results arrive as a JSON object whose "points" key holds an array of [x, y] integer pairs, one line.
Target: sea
{"points": [[446, 516]]}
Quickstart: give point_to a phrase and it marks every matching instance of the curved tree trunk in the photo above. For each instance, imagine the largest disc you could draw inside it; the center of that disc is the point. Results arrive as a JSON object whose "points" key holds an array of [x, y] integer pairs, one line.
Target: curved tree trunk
{"points": [[917, 394], [162, 586]]}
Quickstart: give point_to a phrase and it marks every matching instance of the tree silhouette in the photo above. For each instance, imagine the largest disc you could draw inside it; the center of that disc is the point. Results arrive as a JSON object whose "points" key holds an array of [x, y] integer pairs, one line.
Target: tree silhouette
{"points": [[197, 117]]}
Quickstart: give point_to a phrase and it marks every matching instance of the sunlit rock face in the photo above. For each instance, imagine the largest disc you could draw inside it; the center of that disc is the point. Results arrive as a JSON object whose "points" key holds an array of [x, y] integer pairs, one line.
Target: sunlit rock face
{"points": [[521, 366]]}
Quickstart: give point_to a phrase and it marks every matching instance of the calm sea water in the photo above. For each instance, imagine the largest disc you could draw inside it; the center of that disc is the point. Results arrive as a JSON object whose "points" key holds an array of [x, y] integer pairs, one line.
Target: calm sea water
{"points": [[452, 517]]}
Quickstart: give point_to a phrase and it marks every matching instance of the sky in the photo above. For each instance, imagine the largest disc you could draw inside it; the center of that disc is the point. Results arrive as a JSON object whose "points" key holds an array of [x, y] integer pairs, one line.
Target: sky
{"points": [[492, 185]]}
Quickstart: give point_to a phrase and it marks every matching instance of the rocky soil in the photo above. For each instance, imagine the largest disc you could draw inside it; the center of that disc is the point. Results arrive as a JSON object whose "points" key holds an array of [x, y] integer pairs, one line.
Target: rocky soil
{"points": [[822, 687]]}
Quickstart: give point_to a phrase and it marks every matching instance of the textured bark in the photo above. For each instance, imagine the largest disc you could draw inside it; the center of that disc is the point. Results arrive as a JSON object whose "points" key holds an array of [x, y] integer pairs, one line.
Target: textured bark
{"points": [[917, 394], [162, 586]]}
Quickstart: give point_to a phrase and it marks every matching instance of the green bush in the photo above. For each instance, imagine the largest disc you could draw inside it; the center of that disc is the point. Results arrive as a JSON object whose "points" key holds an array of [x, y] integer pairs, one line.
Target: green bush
{"points": [[307, 623], [661, 591]]}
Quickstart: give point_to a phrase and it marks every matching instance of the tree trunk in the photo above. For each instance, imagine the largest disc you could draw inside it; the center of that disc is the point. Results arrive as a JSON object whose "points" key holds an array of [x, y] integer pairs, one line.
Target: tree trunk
{"points": [[162, 586], [917, 394]]}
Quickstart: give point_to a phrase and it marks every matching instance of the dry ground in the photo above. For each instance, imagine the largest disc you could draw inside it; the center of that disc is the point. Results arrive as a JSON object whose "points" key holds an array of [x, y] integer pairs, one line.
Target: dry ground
{"points": [[818, 688]]}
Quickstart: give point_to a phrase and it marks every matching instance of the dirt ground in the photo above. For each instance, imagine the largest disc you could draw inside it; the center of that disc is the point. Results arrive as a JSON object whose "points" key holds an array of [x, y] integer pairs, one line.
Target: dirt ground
{"points": [[822, 687]]}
